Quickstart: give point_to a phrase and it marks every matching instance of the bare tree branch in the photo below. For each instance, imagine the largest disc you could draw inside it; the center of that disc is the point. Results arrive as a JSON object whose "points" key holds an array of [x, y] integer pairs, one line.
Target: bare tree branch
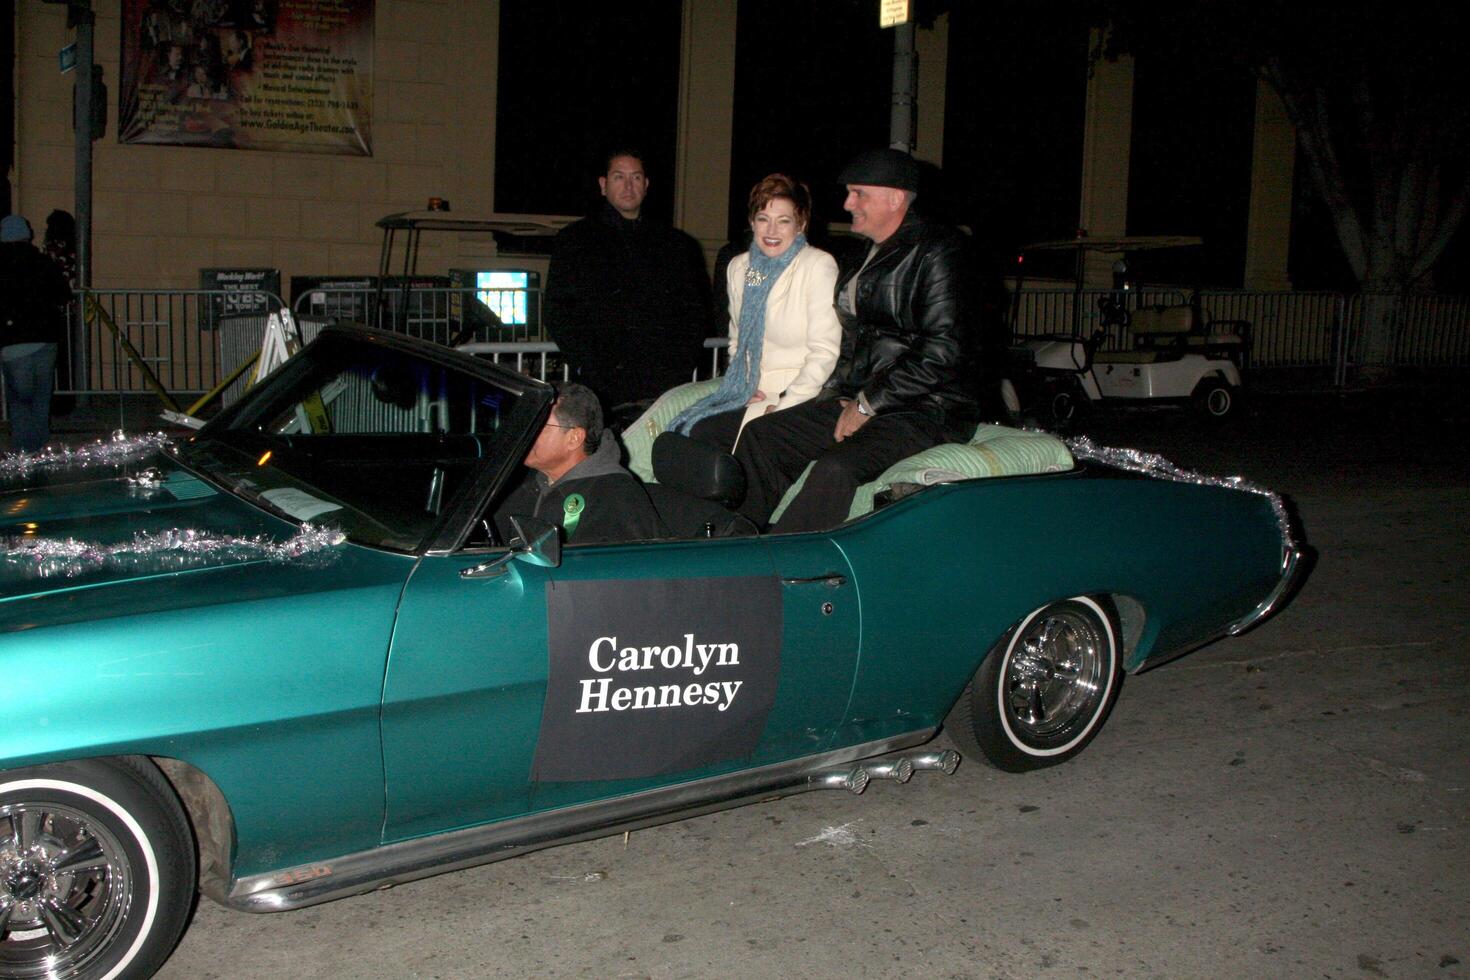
{"points": [[1449, 223], [1308, 113]]}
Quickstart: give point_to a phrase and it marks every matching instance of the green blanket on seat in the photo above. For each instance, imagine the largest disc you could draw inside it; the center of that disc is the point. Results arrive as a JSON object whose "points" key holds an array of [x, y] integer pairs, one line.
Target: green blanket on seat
{"points": [[638, 437], [994, 450]]}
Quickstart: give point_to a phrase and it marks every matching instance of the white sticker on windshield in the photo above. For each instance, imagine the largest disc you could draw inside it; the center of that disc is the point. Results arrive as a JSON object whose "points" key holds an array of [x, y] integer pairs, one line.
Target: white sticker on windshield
{"points": [[299, 504]]}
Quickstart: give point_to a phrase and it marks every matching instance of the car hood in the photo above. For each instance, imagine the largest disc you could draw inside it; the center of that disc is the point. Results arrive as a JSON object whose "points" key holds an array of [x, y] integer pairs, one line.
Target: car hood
{"points": [[95, 525]]}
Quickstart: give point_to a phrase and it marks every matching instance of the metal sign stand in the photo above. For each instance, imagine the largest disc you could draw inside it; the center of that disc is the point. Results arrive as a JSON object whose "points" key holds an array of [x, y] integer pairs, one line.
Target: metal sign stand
{"points": [[282, 339]]}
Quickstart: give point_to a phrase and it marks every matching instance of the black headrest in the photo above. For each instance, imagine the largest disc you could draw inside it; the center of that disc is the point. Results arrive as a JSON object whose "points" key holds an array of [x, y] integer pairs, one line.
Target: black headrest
{"points": [[685, 516], [698, 469]]}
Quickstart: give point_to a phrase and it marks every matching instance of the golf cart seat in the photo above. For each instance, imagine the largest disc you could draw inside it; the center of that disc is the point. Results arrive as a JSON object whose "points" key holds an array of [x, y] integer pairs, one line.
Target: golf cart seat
{"points": [[1158, 333]]}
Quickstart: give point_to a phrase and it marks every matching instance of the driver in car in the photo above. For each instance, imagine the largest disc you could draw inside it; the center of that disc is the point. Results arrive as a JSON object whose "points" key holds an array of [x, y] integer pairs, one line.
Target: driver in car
{"points": [[576, 480]]}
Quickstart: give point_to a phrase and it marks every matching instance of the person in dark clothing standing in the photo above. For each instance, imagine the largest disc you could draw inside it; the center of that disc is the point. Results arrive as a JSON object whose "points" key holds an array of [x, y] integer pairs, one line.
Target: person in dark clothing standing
{"points": [[33, 292], [60, 243], [904, 381], [626, 297], [576, 482]]}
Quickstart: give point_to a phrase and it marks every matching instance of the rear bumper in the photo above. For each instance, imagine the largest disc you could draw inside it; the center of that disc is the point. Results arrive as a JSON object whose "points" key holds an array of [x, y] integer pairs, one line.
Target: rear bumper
{"points": [[1293, 568]]}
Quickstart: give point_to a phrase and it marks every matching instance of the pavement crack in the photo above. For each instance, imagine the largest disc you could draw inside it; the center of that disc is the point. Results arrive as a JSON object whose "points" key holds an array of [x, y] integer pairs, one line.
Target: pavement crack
{"points": [[1308, 652]]}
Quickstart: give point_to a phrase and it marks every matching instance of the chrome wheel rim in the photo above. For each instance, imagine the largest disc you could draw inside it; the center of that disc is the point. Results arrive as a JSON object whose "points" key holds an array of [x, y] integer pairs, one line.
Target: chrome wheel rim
{"points": [[65, 890], [1056, 674]]}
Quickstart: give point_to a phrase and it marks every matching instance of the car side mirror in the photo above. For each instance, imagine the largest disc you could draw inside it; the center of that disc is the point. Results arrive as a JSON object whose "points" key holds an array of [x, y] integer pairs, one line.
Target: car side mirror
{"points": [[536, 542]]}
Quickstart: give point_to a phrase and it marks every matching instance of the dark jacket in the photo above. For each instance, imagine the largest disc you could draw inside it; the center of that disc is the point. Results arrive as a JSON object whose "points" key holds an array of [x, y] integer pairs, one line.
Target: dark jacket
{"points": [[909, 348], [627, 302], [33, 293], [613, 508]]}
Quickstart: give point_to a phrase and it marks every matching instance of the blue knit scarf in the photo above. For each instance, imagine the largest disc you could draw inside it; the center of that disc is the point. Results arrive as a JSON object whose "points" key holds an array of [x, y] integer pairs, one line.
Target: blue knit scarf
{"points": [[744, 372]]}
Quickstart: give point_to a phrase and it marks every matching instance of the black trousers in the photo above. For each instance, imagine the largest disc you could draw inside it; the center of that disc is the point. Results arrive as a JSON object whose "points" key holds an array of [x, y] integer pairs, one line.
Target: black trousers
{"points": [[719, 430], [775, 448]]}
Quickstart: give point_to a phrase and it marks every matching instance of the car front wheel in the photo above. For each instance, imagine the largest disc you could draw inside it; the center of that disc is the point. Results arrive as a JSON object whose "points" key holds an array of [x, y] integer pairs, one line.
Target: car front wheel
{"points": [[96, 870], [1042, 694]]}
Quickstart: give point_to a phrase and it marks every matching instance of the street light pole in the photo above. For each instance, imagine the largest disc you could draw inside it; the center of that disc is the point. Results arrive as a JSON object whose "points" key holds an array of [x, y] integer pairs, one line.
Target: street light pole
{"points": [[81, 14], [905, 88]]}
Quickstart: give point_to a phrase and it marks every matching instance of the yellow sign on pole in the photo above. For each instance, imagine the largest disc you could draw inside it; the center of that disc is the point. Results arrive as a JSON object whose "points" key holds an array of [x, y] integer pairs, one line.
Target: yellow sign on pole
{"points": [[891, 13]]}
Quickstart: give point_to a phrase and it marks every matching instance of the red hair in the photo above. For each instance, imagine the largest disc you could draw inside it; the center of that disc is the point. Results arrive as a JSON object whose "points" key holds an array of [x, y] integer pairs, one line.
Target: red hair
{"points": [[779, 185]]}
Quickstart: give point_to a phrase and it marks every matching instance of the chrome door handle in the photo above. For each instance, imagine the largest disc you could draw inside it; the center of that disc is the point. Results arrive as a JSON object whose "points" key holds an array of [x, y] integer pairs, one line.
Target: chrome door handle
{"points": [[831, 580]]}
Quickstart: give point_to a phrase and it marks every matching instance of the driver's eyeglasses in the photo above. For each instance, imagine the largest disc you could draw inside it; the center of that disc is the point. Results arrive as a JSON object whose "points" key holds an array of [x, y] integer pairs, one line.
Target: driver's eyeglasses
{"points": [[558, 425]]}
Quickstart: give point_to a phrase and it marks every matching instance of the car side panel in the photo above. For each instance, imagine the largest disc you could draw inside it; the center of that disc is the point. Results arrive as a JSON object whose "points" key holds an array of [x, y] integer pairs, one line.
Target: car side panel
{"points": [[944, 573], [266, 678]]}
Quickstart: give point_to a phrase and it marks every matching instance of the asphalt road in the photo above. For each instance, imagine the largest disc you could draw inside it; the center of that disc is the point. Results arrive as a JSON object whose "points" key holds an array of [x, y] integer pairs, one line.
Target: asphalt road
{"points": [[1291, 803]]}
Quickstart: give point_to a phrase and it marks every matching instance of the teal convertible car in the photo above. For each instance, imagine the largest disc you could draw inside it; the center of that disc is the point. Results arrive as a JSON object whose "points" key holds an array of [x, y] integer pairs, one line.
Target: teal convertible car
{"points": [[287, 659]]}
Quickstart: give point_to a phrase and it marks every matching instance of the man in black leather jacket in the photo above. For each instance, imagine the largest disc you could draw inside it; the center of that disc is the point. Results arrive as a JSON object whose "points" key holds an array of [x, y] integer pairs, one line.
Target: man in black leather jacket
{"points": [[903, 382]]}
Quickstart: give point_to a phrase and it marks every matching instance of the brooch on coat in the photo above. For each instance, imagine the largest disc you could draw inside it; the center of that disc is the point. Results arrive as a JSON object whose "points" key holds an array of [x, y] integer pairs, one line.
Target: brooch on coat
{"points": [[754, 277]]}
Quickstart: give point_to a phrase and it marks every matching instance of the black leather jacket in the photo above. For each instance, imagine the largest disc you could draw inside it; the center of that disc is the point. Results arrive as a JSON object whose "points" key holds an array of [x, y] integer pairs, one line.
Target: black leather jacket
{"points": [[909, 348]]}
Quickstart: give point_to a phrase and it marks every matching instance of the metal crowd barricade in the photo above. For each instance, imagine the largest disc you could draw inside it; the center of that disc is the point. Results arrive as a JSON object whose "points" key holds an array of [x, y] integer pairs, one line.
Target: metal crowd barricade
{"points": [[541, 359], [168, 341], [1288, 329], [538, 359], [176, 342], [445, 315]]}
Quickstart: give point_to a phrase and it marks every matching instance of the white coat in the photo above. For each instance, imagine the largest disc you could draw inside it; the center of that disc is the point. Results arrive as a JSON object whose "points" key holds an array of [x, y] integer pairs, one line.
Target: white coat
{"points": [[803, 337]]}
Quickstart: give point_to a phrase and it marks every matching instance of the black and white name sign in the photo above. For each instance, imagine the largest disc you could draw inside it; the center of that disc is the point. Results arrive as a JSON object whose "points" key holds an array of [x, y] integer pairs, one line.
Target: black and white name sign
{"points": [[649, 677]]}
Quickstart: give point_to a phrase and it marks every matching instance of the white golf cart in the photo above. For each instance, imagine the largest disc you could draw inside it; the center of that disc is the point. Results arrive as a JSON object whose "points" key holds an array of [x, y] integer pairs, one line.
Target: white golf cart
{"points": [[1125, 353]]}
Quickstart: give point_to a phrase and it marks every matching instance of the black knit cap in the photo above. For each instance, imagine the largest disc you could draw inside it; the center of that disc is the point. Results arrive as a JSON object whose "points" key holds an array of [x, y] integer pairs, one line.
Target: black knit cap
{"points": [[882, 168]]}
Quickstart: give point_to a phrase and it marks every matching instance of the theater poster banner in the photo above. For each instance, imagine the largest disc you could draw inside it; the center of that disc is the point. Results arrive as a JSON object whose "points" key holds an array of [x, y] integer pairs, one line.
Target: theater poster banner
{"points": [[248, 74]]}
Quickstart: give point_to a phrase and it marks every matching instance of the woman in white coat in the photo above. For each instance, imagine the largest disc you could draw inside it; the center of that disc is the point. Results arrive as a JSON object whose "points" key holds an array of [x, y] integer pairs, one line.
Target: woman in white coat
{"points": [[784, 333]]}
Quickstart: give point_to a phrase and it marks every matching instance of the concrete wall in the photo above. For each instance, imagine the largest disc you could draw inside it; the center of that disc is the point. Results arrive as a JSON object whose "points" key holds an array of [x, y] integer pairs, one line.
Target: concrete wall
{"points": [[163, 212]]}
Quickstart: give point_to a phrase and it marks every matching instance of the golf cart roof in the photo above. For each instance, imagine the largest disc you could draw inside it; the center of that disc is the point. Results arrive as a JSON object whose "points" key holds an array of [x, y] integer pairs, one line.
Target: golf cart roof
{"points": [[526, 225], [1116, 243]]}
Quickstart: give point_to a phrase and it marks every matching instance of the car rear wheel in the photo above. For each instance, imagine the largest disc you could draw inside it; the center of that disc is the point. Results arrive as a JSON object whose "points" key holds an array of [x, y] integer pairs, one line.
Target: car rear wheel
{"points": [[96, 871], [1044, 692]]}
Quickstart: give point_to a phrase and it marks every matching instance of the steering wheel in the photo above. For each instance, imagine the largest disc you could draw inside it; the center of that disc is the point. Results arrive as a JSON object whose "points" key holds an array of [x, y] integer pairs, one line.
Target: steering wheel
{"points": [[1114, 313]]}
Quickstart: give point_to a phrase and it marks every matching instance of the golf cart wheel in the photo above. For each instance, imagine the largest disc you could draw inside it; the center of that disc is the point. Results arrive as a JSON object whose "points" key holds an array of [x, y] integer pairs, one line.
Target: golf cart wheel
{"points": [[1216, 399], [1064, 409]]}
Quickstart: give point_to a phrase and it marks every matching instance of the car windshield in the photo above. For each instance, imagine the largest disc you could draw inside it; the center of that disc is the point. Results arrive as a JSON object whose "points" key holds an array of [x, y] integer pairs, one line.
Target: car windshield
{"points": [[360, 436]]}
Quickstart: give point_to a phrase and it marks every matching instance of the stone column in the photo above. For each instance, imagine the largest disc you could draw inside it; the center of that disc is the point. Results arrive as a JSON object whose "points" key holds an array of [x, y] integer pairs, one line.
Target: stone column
{"points": [[706, 121], [1273, 162], [1106, 143], [933, 50], [474, 32]]}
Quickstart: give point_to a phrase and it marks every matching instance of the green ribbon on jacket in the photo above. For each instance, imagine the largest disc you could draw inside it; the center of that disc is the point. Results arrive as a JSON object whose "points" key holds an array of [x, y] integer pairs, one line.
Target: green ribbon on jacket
{"points": [[571, 513]]}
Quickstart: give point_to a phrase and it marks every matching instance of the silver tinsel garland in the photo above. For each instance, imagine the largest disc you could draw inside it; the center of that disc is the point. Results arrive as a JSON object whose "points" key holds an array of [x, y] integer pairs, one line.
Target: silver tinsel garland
{"points": [[121, 448], [1152, 464], [172, 550]]}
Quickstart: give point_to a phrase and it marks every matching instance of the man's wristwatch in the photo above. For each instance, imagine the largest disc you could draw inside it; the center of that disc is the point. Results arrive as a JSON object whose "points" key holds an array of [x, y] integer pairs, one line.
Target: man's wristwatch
{"points": [[863, 408]]}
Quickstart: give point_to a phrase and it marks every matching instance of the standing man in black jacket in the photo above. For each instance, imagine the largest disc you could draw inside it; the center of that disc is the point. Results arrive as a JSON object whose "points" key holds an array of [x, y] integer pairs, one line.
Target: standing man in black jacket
{"points": [[626, 296], [903, 382]]}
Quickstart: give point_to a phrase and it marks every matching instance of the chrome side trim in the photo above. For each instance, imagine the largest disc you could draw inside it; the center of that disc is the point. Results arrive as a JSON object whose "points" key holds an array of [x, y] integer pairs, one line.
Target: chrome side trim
{"points": [[391, 864], [1292, 567]]}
